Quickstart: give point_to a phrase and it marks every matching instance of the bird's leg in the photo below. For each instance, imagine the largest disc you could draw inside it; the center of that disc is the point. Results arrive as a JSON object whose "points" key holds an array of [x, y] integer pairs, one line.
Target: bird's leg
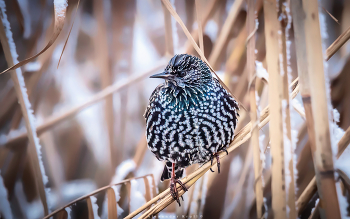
{"points": [[173, 189]]}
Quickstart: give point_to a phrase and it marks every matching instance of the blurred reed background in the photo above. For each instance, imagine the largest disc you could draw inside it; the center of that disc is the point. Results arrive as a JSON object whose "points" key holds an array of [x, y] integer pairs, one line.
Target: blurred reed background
{"points": [[282, 61]]}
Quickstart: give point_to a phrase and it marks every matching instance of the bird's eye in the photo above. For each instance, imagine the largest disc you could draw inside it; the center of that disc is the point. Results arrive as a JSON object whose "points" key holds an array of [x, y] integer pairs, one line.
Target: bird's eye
{"points": [[182, 73]]}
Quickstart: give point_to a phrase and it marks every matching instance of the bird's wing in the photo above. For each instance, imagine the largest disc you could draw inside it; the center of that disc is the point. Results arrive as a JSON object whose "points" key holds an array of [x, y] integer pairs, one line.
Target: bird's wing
{"points": [[152, 97]]}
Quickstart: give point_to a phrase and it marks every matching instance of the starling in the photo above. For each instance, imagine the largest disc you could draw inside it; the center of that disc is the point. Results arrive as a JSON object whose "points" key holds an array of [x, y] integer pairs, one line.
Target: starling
{"points": [[190, 118]]}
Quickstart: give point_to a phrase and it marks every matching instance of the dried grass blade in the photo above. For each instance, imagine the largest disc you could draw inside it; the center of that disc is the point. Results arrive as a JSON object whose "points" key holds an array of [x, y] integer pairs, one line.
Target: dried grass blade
{"points": [[9, 49], [200, 28], [306, 196], [62, 214], [339, 42], [112, 204], [344, 142], [60, 14], [90, 209], [140, 151], [288, 141], [210, 9], [154, 191], [169, 42], [101, 47], [253, 109], [220, 43], [148, 189], [335, 19], [65, 43]]}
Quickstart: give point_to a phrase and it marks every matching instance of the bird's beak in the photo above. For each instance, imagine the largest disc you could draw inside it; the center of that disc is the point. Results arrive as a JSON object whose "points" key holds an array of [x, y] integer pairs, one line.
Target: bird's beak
{"points": [[164, 75]]}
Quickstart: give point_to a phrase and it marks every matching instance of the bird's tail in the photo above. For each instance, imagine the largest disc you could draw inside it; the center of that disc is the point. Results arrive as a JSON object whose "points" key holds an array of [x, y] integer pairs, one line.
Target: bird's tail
{"points": [[167, 171]]}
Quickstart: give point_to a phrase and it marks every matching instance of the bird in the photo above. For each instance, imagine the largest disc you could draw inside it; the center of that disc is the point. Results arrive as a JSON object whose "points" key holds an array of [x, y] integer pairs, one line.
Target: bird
{"points": [[190, 118]]}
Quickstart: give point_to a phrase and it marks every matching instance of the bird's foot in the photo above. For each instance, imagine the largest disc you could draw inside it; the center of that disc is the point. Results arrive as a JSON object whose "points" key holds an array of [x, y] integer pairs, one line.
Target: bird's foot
{"points": [[173, 189], [216, 155]]}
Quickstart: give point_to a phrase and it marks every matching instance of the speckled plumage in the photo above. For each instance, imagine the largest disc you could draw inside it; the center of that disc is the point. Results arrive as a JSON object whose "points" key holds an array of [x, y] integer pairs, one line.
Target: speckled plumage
{"points": [[190, 116]]}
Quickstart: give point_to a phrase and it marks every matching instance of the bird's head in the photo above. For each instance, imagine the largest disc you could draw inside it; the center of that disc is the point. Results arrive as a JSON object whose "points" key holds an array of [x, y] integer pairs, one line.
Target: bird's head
{"points": [[185, 70]]}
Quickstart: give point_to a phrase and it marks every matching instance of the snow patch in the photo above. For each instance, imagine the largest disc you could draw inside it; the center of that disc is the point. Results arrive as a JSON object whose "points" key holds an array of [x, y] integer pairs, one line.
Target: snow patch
{"points": [[123, 170], [261, 71], [94, 207], [137, 195], [60, 7], [33, 66], [5, 207], [68, 210]]}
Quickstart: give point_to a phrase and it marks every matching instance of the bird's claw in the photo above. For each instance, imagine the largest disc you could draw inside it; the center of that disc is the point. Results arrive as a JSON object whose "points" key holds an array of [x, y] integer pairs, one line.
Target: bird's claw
{"points": [[173, 189], [216, 155]]}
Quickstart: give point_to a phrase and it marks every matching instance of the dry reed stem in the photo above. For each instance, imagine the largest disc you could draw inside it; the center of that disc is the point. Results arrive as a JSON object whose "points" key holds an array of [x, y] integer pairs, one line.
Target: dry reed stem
{"points": [[245, 171], [190, 198], [60, 14], [253, 107], [62, 214], [200, 206], [90, 208], [339, 42], [56, 119], [343, 142], [306, 196], [335, 19], [224, 33], [169, 44], [200, 30], [284, 37], [242, 136], [323, 156], [65, 43], [101, 46], [148, 189], [95, 192], [278, 191], [234, 60], [311, 189], [112, 204], [140, 151], [210, 9], [10, 53]]}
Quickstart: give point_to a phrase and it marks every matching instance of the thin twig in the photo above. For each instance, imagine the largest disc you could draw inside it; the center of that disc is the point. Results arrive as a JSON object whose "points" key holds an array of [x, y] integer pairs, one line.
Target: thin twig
{"points": [[65, 43], [339, 42]]}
